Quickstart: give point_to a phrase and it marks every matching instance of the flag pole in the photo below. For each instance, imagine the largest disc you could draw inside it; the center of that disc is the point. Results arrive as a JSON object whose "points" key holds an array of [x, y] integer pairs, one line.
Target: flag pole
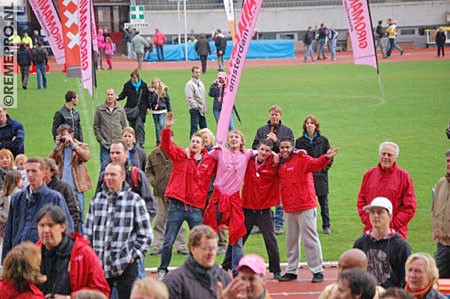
{"points": [[380, 84]]}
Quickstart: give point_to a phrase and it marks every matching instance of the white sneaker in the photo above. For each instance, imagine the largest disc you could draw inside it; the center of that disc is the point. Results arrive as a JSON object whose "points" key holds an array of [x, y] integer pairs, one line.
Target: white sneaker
{"points": [[161, 274]]}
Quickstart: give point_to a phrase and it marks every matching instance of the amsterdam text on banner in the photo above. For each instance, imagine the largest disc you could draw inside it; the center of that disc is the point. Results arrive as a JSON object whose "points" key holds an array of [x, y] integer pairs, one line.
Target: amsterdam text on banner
{"points": [[247, 22]]}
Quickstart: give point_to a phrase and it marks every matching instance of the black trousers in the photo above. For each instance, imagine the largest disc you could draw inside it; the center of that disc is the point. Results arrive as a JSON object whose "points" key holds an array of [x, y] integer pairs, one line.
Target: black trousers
{"points": [[139, 129], [443, 260], [124, 282], [324, 211], [264, 220], [203, 59]]}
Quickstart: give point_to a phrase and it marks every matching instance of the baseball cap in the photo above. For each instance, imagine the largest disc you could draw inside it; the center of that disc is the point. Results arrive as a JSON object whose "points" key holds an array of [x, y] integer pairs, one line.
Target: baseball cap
{"points": [[254, 262], [221, 75], [379, 202]]}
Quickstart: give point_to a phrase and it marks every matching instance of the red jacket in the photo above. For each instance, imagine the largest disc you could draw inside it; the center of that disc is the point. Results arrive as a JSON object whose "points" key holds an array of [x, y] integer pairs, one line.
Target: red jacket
{"points": [[261, 188], [189, 182], [159, 38], [231, 214], [297, 183], [7, 291], [85, 268], [395, 184]]}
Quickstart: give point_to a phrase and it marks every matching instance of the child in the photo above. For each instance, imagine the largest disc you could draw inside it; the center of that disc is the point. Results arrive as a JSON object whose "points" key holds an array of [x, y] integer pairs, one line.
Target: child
{"points": [[109, 51], [20, 161]]}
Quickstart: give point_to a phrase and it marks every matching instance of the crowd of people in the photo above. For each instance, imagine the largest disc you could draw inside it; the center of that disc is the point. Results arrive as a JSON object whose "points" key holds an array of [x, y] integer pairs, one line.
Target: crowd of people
{"points": [[208, 186], [52, 248]]}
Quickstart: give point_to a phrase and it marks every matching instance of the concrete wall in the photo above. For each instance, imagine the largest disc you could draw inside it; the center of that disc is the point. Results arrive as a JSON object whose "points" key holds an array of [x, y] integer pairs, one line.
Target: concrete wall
{"points": [[294, 19]]}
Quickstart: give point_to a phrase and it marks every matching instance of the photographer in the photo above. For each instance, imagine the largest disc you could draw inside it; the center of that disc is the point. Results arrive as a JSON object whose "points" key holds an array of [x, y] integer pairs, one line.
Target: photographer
{"points": [[216, 90], [70, 156]]}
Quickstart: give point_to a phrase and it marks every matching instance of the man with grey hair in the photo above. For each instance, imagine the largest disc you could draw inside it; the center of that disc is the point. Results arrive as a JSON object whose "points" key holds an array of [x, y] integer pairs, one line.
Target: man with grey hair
{"points": [[440, 221], [390, 181]]}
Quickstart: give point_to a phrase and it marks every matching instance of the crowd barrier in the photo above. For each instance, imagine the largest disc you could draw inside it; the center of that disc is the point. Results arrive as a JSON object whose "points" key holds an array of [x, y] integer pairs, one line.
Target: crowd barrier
{"points": [[258, 49]]}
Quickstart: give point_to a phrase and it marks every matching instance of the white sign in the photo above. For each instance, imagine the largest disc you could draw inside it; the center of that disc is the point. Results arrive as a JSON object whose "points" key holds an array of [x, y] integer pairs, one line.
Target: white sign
{"points": [[137, 25]]}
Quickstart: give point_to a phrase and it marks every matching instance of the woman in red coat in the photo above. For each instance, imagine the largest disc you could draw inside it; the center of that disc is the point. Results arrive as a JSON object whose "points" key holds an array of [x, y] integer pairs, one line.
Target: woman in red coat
{"points": [[68, 261], [21, 273]]}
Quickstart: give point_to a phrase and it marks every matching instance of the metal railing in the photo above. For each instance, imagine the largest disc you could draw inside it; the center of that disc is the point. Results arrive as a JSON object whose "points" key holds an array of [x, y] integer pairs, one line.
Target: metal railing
{"points": [[214, 4]]}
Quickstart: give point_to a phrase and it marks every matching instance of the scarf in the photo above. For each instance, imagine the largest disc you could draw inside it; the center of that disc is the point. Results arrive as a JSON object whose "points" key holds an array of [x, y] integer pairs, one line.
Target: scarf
{"points": [[136, 85], [419, 294], [206, 277]]}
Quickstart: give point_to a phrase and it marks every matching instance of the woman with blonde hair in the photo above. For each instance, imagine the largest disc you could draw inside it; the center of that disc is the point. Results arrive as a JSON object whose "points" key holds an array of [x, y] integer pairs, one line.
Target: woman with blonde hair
{"points": [[21, 273], [12, 184], [136, 155], [149, 288], [422, 275], [160, 105], [226, 203], [6, 163]]}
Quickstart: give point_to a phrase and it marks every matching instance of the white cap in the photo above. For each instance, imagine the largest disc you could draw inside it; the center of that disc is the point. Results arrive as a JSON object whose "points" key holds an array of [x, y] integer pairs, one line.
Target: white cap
{"points": [[379, 202]]}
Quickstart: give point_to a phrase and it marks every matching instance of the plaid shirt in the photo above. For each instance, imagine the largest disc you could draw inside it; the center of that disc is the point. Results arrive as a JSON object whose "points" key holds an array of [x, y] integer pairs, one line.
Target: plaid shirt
{"points": [[118, 226]]}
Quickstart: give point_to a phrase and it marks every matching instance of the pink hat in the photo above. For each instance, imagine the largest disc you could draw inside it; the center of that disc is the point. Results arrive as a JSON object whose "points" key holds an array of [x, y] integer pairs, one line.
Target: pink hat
{"points": [[221, 75], [254, 262]]}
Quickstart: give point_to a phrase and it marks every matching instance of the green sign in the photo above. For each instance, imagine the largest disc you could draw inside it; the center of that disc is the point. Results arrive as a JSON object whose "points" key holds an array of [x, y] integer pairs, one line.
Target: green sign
{"points": [[137, 12]]}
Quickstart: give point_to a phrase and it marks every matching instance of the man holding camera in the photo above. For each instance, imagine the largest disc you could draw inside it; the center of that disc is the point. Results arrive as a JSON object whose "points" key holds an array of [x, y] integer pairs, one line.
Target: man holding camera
{"points": [[216, 90], [70, 156]]}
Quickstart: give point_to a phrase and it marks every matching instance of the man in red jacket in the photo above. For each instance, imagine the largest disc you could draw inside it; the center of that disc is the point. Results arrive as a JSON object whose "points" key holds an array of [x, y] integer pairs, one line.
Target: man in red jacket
{"points": [[260, 193], [187, 188], [390, 181], [299, 202]]}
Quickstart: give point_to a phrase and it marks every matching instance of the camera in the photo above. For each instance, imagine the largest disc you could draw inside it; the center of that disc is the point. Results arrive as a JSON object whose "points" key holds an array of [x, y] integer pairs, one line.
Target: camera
{"points": [[62, 139]]}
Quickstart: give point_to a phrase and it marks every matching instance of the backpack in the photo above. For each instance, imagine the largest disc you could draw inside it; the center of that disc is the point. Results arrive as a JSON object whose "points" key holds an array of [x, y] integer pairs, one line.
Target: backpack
{"points": [[135, 176]]}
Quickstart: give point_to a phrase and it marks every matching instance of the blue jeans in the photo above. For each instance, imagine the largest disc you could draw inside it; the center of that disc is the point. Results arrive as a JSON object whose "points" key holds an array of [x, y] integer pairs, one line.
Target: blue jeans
{"points": [[141, 269], [40, 71], [321, 50], [216, 113], [237, 251], [279, 216], [333, 44], [309, 52], [196, 120], [104, 157], [160, 52], [177, 213], [160, 120]]}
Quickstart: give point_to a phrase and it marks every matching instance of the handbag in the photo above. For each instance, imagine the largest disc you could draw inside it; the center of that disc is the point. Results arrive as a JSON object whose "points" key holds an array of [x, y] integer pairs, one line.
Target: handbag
{"points": [[133, 112]]}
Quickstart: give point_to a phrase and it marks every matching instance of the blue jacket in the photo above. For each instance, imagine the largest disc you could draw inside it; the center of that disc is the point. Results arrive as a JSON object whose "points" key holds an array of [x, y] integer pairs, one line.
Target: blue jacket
{"points": [[12, 129], [21, 224]]}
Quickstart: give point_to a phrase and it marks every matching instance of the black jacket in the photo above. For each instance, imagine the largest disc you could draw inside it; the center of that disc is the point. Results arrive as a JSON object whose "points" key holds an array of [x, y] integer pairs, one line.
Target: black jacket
{"points": [[316, 148], [132, 96], [387, 258], [24, 57], [72, 202], [440, 38], [202, 47], [279, 130], [64, 116], [221, 44], [159, 103]]}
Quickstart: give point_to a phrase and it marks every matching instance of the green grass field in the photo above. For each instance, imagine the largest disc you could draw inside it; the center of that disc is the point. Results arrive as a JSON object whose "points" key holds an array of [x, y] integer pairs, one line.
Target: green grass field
{"points": [[348, 102]]}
